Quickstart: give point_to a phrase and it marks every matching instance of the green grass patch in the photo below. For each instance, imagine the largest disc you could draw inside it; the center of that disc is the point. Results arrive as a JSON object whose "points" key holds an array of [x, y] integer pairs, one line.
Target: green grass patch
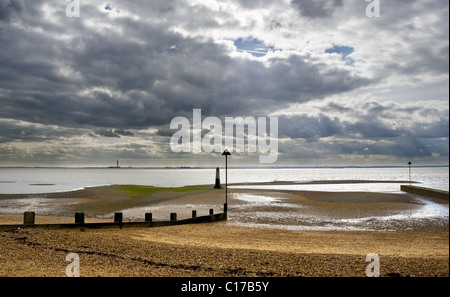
{"points": [[136, 190]]}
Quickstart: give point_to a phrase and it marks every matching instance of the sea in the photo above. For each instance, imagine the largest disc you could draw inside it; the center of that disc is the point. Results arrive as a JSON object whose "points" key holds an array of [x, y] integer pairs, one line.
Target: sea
{"points": [[47, 180], [257, 210]]}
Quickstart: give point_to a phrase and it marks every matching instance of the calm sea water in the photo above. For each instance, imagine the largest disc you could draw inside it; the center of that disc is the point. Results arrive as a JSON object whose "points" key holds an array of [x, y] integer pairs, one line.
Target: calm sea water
{"points": [[45, 180]]}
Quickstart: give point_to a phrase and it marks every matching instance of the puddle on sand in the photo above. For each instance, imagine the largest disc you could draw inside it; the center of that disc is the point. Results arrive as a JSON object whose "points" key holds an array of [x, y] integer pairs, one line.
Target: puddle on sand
{"points": [[272, 212], [260, 200], [261, 211], [42, 206], [162, 212]]}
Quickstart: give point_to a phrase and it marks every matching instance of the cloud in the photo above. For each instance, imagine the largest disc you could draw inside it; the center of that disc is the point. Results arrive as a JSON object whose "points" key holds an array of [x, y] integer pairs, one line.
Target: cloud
{"points": [[368, 120], [10, 10], [109, 78], [341, 82], [368, 129], [123, 132], [106, 133], [110, 133], [317, 9], [309, 127], [22, 131]]}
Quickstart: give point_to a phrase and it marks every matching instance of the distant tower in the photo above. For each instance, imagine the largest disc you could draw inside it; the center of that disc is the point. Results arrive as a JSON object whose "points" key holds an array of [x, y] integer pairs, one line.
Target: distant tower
{"points": [[217, 185], [117, 164]]}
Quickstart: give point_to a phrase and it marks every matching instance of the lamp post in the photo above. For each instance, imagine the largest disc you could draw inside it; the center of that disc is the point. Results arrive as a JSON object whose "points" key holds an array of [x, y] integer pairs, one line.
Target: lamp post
{"points": [[409, 165], [226, 153]]}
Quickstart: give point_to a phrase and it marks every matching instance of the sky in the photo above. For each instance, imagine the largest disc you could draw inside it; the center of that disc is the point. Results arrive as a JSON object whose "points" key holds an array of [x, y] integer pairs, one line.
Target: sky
{"points": [[348, 88]]}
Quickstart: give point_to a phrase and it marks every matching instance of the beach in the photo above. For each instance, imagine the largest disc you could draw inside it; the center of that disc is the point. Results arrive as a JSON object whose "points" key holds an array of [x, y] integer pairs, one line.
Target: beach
{"points": [[405, 247]]}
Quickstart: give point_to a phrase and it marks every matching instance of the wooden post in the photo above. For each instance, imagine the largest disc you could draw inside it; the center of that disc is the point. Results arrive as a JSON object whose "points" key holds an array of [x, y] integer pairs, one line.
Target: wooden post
{"points": [[225, 207], [79, 218], [194, 214], [148, 217], [173, 216], [118, 217], [28, 218]]}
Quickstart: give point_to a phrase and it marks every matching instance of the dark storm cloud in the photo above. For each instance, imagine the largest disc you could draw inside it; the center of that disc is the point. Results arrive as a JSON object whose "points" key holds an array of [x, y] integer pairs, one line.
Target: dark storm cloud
{"points": [[146, 76], [165, 132], [9, 9], [316, 9], [336, 149], [250, 4], [124, 67], [123, 132], [117, 133], [309, 127], [12, 130], [411, 131], [402, 147], [369, 120], [106, 133]]}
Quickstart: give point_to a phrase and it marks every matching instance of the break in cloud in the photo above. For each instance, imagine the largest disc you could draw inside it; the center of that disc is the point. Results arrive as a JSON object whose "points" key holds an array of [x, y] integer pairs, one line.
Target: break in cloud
{"points": [[348, 89]]}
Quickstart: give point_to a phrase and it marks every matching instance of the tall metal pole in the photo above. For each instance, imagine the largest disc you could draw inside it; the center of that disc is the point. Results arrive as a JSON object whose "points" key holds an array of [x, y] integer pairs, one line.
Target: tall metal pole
{"points": [[226, 153], [226, 180]]}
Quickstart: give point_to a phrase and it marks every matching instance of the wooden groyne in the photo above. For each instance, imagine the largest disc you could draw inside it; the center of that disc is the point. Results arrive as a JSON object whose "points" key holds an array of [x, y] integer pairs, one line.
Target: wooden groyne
{"points": [[118, 222], [425, 192]]}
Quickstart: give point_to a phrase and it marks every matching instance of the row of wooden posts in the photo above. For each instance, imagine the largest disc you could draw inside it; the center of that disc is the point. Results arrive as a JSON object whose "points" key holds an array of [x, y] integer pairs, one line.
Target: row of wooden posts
{"points": [[29, 217]]}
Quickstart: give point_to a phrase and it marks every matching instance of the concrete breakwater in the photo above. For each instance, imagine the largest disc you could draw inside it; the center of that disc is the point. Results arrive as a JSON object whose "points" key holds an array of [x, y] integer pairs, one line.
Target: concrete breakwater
{"points": [[29, 218], [425, 192]]}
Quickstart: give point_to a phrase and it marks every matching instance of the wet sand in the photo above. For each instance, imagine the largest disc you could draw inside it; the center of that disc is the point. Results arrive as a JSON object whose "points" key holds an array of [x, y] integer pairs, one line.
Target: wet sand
{"points": [[227, 249]]}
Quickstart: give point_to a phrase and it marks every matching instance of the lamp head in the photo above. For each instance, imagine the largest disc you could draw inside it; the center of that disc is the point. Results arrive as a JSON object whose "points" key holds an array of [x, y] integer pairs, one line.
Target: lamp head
{"points": [[226, 153]]}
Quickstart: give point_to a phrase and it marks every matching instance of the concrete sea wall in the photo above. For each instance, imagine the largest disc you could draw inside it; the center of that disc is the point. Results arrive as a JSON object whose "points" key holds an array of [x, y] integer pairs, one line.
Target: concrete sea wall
{"points": [[425, 192]]}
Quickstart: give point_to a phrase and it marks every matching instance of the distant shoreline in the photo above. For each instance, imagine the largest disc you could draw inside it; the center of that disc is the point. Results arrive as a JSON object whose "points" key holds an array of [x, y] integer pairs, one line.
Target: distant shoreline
{"points": [[229, 167]]}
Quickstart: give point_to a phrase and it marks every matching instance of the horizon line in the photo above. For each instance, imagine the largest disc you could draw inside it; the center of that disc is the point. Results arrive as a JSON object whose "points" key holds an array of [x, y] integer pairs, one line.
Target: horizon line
{"points": [[236, 167]]}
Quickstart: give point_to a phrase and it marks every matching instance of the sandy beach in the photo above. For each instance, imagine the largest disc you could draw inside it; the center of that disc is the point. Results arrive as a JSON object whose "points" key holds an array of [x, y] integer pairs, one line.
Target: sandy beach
{"points": [[230, 248]]}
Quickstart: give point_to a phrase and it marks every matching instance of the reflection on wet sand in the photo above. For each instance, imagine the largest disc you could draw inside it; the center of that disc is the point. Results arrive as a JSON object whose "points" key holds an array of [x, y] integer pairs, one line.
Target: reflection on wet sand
{"points": [[263, 205]]}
